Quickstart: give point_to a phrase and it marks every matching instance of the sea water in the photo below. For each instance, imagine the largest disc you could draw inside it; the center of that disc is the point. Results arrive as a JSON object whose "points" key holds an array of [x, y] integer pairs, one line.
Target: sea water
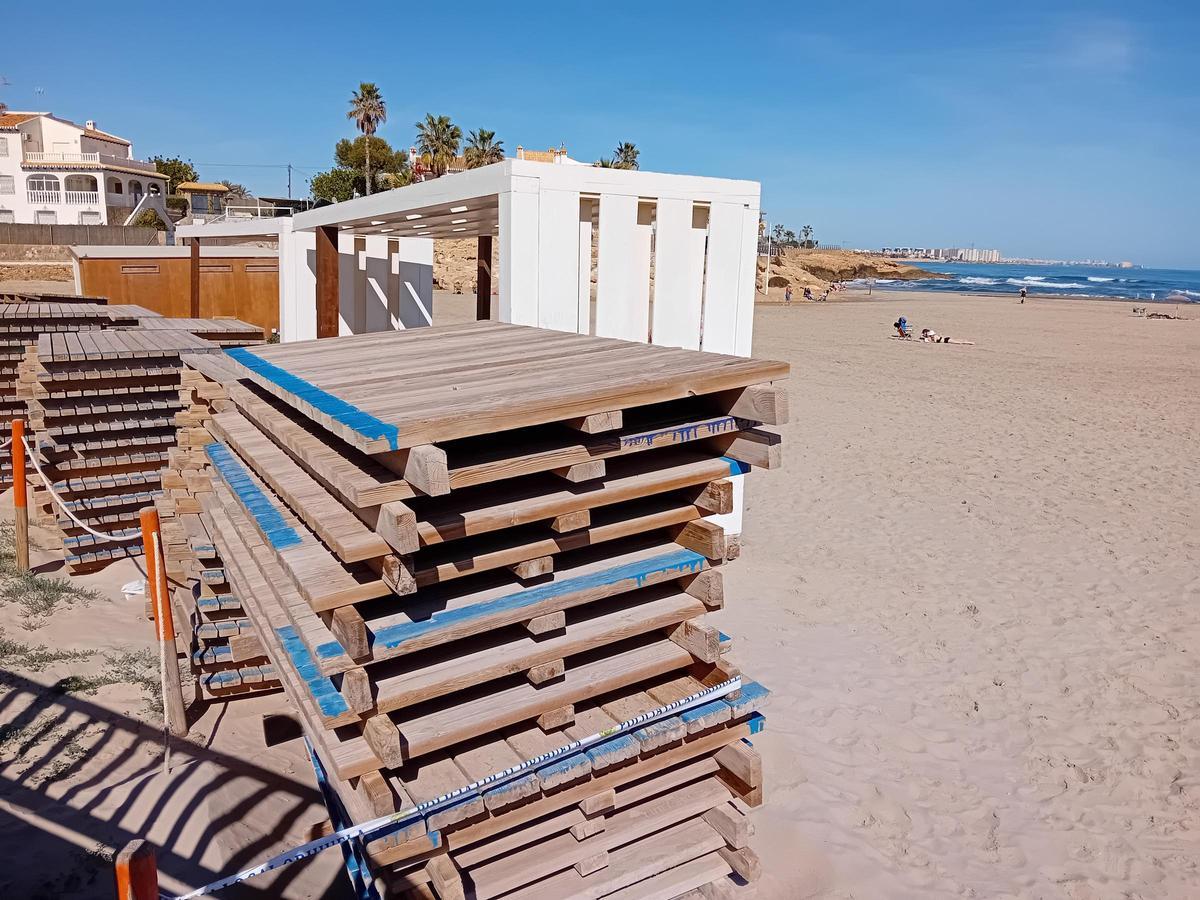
{"points": [[1180, 285]]}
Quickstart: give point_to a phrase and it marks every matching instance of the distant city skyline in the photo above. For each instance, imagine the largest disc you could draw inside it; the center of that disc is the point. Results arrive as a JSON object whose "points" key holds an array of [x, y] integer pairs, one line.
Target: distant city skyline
{"points": [[1050, 130]]}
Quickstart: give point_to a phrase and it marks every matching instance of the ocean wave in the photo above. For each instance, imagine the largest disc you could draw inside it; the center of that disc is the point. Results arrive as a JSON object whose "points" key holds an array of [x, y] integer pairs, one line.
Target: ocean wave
{"points": [[979, 280], [886, 280], [1033, 282], [1097, 278]]}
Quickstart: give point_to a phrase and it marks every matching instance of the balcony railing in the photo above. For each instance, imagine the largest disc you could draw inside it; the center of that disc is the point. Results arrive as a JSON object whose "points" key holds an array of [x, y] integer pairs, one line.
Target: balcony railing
{"points": [[77, 197], [38, 157], [45, 197]]}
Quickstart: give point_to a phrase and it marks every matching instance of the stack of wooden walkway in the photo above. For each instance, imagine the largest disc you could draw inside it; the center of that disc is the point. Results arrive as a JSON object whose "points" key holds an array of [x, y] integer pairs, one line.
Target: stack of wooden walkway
{"points": [[223, 331], [462, 547], [102, 406], [22, 322]]}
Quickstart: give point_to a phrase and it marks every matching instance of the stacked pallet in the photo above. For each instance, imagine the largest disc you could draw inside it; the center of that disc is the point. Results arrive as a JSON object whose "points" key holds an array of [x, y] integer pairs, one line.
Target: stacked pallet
{"points": [[22, 322], [222, 330], [464, 547], [102, 408]]}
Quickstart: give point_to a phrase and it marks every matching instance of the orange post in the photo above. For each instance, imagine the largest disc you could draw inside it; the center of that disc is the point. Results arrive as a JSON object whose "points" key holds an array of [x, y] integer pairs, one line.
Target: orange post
{"points": [[136, 872], [16, 452], [164, 622]]}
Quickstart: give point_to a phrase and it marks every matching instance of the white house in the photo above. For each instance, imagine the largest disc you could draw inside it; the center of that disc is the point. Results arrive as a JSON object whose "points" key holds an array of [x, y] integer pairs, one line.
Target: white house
{"points": [[54, 172]]}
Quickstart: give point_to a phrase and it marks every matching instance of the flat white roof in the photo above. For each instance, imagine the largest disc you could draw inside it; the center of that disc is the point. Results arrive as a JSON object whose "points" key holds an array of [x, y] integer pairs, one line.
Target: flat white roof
{"points": [[111, 252], [466, 204]]}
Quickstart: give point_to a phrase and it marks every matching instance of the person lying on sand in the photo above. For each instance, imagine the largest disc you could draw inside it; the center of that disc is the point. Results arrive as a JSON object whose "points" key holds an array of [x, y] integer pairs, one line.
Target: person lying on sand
{"points": [[932, 337]]}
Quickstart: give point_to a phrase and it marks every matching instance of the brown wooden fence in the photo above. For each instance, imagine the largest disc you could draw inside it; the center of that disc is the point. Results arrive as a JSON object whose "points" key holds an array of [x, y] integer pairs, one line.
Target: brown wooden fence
{"points": [[71, 235]]}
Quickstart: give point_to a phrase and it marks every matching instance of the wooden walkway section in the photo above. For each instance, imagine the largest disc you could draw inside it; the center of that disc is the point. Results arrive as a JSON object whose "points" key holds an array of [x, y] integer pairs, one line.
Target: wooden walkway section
{"points": [[456, 549]]}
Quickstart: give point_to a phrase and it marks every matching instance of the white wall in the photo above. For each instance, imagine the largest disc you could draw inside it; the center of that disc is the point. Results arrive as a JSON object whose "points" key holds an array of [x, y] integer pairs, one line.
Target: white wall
{"points": [[701, 241]]}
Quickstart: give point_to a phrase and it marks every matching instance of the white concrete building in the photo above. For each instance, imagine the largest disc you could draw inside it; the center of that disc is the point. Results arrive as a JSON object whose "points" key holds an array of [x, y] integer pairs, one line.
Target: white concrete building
{"points": [[54, 172]]}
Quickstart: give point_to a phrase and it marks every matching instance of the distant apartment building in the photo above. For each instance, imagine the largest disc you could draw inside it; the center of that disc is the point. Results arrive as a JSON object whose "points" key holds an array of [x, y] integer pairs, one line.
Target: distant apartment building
{"points": [[944, 254], [55, 172]]}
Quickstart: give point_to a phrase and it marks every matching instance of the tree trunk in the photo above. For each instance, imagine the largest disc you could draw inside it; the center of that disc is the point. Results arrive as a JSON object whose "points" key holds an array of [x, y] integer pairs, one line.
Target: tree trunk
{"points": [[368, 165]]}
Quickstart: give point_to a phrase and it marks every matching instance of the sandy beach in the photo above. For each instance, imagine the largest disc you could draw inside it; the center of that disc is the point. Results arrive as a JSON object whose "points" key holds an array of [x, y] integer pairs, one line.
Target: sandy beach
{"points": [[972, 589]]}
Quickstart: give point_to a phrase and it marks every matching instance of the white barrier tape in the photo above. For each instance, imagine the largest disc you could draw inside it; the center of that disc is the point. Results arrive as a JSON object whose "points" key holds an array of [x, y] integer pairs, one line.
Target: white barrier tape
{"points": [[59, 500], [384, 825]]}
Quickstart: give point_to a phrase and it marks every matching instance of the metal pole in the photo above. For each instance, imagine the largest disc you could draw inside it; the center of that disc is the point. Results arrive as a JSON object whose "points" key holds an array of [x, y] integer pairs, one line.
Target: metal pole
{"points": [[289, 181], [164, 624], [20, 494]]}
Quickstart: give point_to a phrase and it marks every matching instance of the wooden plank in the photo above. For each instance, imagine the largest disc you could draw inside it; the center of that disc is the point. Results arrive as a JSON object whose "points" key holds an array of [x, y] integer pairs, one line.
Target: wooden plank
{"points": [[336, 525]]}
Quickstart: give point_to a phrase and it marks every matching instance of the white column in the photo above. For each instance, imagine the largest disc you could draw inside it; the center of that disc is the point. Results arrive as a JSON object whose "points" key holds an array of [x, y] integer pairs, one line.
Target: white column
{"points": [[623, 270], [678, 277], [722, 277], [558, 260], [518, 256]]}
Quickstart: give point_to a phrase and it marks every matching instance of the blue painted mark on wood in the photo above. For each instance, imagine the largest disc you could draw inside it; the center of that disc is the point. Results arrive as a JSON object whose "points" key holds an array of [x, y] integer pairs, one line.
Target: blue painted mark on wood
{"points": [[750, 696], [334, 407], [656, 732], [706, 715], [736, 466], [510, 793], [757, 723], [674, 564], [682, 434], [564, 770], [613, 751], [321, 688], [277, 532]]}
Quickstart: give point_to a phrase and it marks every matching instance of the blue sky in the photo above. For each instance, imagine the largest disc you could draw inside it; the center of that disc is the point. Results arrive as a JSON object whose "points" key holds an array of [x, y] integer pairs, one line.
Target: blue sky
{"points": [[1046, 129]]}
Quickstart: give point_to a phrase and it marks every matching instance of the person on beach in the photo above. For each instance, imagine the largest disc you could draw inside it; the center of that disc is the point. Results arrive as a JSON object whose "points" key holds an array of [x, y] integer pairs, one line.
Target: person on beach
{"points": [[929, 336], [808, 294], [1023, 292], [787, 296], [902, 329]]}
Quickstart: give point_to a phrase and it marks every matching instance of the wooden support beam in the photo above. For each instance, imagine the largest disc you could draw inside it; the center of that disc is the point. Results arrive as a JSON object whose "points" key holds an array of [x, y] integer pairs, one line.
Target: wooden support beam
{"points": [[741, 770], [547, 671], [585, 471], [373, 788], [445, 877], [557, 718], [588, 827], [555, 621], [397, 574], [754, 446], [425, 468], [598, 804], [593, 863], [766, 403], [356, 691], [483, 278], [708, 587], [736, 828], [533, 568], [702, 536], [597, 423], [328, 293], [700, 640], [744, 862], [194, 277], [571, 521], [397, 524], [384, 740], [716, 497], [349, 628]]}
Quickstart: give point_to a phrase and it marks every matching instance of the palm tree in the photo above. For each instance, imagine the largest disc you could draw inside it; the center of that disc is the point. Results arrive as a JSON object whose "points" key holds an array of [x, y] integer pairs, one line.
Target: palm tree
{"points": [[777, 232], [483, 149], [438, 137], [789, 237], [368, 111], [605, 163], [625, 156]]}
